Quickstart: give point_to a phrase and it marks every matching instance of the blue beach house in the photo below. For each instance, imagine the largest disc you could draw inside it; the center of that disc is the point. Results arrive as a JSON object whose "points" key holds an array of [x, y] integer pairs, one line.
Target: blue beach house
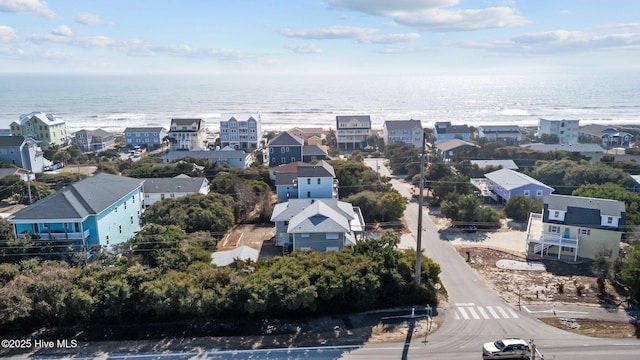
{"points": [[102, 210], [504, 184], [285, 148], [310, 181], [149, 136]]}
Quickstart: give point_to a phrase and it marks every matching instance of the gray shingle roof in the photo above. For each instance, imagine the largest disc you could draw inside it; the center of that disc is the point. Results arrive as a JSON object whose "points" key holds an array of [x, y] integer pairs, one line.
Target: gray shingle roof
{"points": [[287, 210], [402, 124], [285, 178], [509, 179], [187, 122], [606, 206], [11, 140], [310, 150], [321, 169], [90, 196], [506, 164], [173, 185], [143, 129], [286, 139]]}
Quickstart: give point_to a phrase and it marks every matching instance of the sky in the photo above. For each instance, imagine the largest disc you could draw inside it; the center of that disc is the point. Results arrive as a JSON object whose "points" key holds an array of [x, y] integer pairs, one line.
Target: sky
{"points": [[408, 37]]}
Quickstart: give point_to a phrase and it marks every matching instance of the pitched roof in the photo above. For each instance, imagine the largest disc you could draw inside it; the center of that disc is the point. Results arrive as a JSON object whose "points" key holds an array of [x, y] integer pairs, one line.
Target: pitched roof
{"points": [[286, 139], [452, 144], [318, 217], [173, 185], [347, 118], [500, 129], [187, 122], [582, 148], [96, 132], [143, 129], [311, 150], [89, 196], [240, 116], [8, 171], [48, 119], [321, 169], [288, 168], [606, 206], [600, 130], [509, 179], [306, 129], [226, 257], [402, 124], [445, 127], [11, 140], [285, 178], [287, 210]]}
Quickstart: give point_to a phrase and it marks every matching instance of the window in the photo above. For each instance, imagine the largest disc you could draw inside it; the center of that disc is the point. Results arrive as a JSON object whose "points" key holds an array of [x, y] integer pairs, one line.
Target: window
{"points": [[133, 199], [309, 194], [554, 229], [526, 193], [125, 205], [569, 249], [332, 236], [584, 231], [609, 220], [293, 159], [538, 192], [308, 181], [283, 160], [304, 235], [146, 196], [120, 228], [132, 220], [161, 196], [318, 181], [115, 209], [287, 149], [172, 196], [282, 150], [556, 213]]}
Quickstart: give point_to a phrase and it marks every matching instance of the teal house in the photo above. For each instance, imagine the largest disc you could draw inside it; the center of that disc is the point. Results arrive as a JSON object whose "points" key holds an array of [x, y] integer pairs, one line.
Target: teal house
{"points": [[102, 210]]}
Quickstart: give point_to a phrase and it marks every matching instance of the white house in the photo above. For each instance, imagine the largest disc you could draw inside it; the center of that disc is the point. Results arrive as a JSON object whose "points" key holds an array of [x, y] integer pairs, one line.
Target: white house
{"points": [[156, 189]]}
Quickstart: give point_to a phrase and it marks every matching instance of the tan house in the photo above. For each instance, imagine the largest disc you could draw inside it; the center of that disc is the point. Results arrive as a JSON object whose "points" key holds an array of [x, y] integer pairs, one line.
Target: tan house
{"points": [[572, 227], [311, 136]]}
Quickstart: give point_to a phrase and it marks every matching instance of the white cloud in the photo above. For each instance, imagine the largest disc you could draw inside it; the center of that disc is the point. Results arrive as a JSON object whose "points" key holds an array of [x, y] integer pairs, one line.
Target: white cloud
{"points": [[561, 41], [435, 15], [389, 39], [62, 30], [618, 26], [27, 7], [386, 7], [460, 20], [308, 48], [86, 18], [7, 34], [332, 32], [83, 42]]}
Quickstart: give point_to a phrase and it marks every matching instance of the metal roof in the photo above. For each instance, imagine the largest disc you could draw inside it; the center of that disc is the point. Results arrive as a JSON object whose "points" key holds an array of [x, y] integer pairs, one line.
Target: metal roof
{"points": [[509, 179], [174, 185]]}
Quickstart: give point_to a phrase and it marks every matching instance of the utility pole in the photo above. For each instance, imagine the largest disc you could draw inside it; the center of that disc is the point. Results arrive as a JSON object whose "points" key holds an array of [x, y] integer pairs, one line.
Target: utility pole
{"points": [[420, 200]]}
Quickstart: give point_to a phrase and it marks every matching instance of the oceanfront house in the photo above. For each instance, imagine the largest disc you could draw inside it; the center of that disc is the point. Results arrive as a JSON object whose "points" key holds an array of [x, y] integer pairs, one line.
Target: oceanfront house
{"points": [[409, 132], [23, 174], [307, 181], [187, 134], [504, 184], [235, 158], [565, 130], [316, 224], [47, 129], [572, 227], [454, 149], [311, 136], [444, 131], [284, 148], [502, 134], [607, 136], [157, 189], [151, 137], [23, 152], [240, 131], [94, 140], [352, 131], [101, 210]]}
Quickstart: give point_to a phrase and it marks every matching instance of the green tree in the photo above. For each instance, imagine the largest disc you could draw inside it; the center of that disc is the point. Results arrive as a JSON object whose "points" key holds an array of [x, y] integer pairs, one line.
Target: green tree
{"points": [[630, 272], [614, 192], [519, 207]]}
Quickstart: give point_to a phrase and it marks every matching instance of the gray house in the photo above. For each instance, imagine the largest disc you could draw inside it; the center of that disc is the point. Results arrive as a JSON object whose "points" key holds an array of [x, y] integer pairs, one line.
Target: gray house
{"points": [[156, 189], [23, 152], [316, 224], [409, 132], [94, 140], [504, 184]]}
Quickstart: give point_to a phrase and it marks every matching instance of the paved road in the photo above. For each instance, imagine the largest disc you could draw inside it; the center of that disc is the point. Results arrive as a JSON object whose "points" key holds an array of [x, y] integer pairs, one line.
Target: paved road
{"points": [[475, 314]]}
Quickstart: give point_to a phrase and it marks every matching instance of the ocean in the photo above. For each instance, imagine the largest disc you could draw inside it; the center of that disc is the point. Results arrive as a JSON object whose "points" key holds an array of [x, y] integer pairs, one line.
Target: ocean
{"points": [[116, 102]]}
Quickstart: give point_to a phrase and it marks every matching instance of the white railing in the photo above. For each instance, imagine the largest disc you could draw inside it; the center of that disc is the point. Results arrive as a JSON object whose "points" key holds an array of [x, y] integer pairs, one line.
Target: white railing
{"points": [[63, 236]]}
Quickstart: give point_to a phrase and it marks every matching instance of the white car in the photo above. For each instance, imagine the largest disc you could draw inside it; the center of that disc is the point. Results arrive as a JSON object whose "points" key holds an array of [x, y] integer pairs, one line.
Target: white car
{"points": [[506, 349]]}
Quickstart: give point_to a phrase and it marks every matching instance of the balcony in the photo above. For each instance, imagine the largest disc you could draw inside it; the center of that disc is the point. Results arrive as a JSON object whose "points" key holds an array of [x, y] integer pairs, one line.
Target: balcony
{"points": [[63, 236]]}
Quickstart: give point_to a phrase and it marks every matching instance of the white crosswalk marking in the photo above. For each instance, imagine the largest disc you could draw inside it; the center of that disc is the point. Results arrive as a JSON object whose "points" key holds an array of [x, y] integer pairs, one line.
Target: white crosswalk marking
{"points": [[483, 313], [463, 313], [502, 312], [493, 313], [473, 313]]}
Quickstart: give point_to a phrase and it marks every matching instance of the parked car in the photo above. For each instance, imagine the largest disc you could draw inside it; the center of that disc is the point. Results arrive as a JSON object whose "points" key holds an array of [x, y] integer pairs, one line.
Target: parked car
{"points": [[506, 349]]}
